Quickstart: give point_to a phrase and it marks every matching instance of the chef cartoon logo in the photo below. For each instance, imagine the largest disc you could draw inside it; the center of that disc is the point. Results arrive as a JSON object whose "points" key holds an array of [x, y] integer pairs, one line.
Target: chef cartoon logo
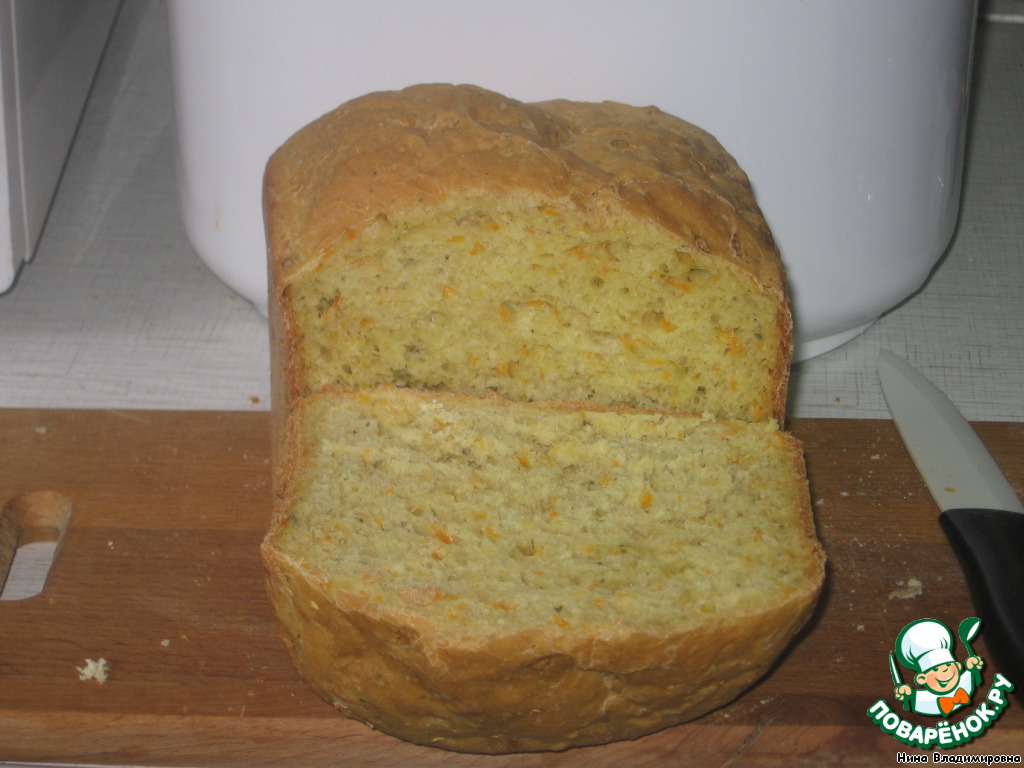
{"points": [[934, 683], [943, 684]]}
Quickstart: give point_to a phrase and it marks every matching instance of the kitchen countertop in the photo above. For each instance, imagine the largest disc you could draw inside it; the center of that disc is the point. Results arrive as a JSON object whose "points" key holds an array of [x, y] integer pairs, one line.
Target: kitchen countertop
{"points": [[117, 311]]}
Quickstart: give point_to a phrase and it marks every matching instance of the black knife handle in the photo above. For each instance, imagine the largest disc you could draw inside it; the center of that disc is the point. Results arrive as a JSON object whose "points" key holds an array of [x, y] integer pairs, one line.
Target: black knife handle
{"points": [[990, 546]]}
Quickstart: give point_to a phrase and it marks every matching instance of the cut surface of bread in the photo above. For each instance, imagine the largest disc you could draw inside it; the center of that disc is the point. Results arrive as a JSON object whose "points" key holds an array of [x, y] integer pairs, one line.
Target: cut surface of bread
{"points": [[485, 294], [447, 237], [488, 575]]}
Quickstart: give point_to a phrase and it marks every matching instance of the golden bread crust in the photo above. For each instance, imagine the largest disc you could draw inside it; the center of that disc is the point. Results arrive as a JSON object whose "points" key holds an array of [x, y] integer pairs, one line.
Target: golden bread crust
{"points": [[387, 151], [529, 691]]}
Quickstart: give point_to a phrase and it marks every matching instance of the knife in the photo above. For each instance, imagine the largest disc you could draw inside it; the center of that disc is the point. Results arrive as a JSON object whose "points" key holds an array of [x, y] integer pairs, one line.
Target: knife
{"points": [[981, 514]]}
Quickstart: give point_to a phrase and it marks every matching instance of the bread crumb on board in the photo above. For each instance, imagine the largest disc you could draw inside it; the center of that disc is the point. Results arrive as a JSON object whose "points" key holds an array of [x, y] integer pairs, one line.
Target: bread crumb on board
{"points": [[94, 669], [905, 590]]}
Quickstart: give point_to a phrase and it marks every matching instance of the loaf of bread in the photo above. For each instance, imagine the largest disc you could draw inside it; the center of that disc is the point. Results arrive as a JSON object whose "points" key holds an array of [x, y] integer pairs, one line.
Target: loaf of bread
{"points": [[530, 361], [449, 238]]}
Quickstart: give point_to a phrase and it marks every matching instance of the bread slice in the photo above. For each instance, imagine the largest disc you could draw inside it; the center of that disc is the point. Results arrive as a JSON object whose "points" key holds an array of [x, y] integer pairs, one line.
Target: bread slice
{"points": [[490, 576], [447, 237]]}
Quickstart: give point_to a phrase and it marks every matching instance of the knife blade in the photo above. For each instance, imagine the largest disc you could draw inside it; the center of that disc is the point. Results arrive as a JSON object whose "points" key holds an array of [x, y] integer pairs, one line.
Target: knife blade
{"points": [[982, 516]]}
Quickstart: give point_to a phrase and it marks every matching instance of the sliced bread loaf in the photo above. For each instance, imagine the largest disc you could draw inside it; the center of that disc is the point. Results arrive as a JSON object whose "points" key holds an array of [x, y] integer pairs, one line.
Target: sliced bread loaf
{"points": [[490, 576], [529, 362]]}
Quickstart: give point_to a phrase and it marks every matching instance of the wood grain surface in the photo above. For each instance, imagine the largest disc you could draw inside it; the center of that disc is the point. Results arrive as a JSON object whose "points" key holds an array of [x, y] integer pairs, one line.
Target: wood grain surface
{"points": [[160, 575]]}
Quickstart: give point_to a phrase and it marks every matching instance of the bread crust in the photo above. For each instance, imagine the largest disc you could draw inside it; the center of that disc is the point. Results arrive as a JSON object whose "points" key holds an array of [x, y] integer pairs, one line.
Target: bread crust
{"points": [[529, 691], [389, 151]]}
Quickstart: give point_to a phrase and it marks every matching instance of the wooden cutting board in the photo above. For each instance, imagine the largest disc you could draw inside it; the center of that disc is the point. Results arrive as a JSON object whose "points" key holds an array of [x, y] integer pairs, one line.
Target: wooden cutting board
{"points": [[159, 574]]}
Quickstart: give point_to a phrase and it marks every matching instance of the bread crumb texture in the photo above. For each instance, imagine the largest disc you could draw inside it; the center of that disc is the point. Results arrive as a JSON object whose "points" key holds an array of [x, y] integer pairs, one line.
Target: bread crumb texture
{"points": [[485, 516], [480, 295]]}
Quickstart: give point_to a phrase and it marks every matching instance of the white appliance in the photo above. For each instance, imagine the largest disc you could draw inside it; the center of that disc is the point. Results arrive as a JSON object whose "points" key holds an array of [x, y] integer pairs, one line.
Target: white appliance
{"points": [[49, 53], [848, 115]]}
